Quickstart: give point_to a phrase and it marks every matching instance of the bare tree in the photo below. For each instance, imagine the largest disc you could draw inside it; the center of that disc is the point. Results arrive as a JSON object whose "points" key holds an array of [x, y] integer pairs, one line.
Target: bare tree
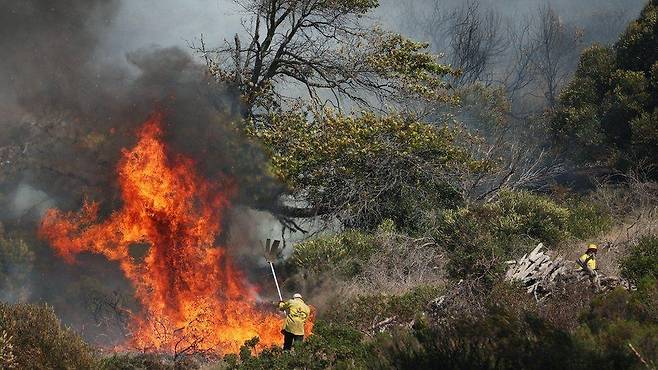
{"points": [[630, 197], [476, 40], [316, 46], [486, 48], [555, 52], [517, 167], [471, 35], [516, 154], [530, 56], [517, 76], [109, 311]]}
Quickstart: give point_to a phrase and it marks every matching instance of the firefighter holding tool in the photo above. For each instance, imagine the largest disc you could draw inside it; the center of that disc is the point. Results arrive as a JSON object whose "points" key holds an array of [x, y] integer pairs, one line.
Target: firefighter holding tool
{"points": [[297, 312]]}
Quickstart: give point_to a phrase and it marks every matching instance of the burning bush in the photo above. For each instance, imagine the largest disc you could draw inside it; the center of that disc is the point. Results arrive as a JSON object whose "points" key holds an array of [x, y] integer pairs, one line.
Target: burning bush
{"points": [[193, 296]]}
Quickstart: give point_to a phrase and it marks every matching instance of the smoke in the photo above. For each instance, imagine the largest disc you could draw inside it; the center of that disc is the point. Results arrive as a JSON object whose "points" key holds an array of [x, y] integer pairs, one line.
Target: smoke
{"points": [[601, 20], [73, 109], [529, 49], [597, 21], [28, 202], [48, 51]]}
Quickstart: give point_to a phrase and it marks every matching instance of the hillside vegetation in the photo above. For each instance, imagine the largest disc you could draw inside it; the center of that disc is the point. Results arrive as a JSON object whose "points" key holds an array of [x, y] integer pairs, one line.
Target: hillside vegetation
{"points": [[423, 201]]}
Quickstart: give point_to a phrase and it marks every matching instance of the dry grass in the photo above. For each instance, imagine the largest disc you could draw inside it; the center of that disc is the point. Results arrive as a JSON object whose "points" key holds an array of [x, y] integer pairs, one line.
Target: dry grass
{"points": [[636, 209], [633, 207], [565, 305], [401, 264], [398, 265]]}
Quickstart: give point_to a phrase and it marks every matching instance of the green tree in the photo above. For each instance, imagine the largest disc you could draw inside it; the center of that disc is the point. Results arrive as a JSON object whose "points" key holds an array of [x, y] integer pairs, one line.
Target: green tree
{"points": [[365, 168], [320, 54], [609, 113]]}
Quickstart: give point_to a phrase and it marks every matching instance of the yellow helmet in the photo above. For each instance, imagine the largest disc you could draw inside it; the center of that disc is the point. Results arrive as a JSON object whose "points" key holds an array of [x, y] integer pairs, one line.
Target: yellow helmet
{"points": [[592, 246]]}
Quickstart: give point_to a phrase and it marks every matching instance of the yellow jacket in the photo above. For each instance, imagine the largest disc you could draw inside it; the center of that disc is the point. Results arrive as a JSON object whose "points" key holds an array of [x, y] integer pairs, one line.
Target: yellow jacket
{"points": [[298, 313], [591, 263]]}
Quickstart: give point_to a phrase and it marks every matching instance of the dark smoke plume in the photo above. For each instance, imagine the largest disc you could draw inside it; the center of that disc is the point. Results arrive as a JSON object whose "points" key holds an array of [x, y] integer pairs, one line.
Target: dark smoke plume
{"points": [[71, 113], [48, 50]]}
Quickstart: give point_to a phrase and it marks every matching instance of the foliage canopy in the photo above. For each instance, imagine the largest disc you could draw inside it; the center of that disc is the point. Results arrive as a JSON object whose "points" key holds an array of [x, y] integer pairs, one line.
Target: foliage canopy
{"points": [[609, 112], [366, 168]]}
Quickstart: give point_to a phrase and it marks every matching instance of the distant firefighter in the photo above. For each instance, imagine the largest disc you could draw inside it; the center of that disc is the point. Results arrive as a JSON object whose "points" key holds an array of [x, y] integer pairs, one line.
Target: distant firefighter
{"points": [[588, 260], [297, 312]]}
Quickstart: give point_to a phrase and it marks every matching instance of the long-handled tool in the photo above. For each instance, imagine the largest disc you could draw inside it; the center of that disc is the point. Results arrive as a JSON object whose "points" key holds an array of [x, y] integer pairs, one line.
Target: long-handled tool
{"points": [[272, 253]]}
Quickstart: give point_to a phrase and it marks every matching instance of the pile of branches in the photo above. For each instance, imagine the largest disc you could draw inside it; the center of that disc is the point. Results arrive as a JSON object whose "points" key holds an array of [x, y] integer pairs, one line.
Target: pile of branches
{"points": [[537, 272], [542, 275]]}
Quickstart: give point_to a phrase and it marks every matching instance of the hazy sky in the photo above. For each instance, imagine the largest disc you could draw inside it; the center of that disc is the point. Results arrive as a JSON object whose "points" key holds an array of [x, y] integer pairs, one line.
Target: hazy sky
{"points": [[143, 23]]}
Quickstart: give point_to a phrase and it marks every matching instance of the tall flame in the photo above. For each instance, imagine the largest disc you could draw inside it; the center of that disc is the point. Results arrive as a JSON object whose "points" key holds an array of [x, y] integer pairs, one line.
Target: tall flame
{"points": [[193, 296]]}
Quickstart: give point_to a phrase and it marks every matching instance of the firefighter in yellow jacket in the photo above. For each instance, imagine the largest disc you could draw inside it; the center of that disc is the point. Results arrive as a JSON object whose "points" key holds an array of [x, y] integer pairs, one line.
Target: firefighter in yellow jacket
{"points": [[297, 312], [589, 258]]}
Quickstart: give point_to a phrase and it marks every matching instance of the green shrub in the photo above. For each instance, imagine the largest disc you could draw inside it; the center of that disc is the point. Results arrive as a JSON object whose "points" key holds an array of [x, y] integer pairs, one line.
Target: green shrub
{"points": [[150, 361], [477, 239], [39, 340], [642, 261], [409, 304], [133, 362], [363, 312], [499, 340], [587, 219], [620, 319], [359, 312], [506, 334], [466, 239], [331, 346], [524, 214], [454, 228], [16, 260], [509, 335], [496, 341], [344, 253]]}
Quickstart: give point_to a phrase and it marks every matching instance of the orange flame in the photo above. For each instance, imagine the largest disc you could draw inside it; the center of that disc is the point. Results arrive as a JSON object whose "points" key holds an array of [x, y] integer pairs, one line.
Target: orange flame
{"points": [[193, 297]]}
